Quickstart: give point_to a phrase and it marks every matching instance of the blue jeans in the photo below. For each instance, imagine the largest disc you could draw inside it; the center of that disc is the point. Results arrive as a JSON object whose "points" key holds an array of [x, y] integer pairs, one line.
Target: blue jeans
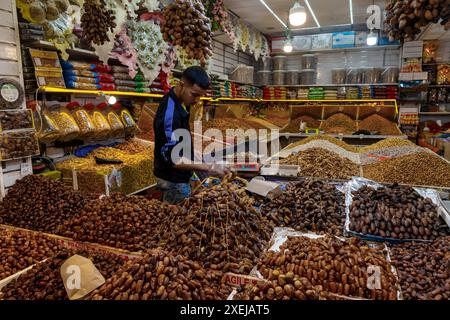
{"points": [[173, 193]]}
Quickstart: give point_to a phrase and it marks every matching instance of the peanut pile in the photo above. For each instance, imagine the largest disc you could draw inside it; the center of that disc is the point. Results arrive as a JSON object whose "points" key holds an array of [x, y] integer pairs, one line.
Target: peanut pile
{"points": [[321, 163]]}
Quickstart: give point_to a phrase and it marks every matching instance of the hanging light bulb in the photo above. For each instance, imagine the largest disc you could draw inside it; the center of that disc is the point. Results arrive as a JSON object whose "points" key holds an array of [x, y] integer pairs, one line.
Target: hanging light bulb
{"points": [[111, 100], [297, 14], [288, 47], [372, 38]]}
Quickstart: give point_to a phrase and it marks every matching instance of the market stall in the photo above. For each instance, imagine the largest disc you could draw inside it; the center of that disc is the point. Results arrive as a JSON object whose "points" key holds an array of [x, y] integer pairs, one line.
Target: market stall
{"points": [[331, 198]]}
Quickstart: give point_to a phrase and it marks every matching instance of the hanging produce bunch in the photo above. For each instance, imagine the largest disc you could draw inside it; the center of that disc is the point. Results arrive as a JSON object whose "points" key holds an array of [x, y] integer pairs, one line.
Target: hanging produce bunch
{"points": [[186, 25], [404, 19], [97, 21]]}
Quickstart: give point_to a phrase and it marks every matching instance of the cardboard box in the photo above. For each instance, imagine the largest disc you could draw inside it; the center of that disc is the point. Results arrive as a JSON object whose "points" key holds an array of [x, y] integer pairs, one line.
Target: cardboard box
{"points": [[322, 41], [344, 39], [263, 188]]}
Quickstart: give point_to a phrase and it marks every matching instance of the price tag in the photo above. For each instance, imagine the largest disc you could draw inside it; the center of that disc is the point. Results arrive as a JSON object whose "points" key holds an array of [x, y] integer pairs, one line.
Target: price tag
{"points": [[26, 169]]}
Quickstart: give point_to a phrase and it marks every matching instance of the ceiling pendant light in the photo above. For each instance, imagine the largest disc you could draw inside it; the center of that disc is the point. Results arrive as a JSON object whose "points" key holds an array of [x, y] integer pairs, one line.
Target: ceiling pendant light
{"points": [[297, 14], [372, 38], [288, 47]]}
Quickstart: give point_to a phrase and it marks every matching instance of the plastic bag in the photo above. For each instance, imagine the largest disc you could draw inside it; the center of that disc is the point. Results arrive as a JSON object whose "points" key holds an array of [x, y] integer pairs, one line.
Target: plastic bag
{"points": [[83, 120]]}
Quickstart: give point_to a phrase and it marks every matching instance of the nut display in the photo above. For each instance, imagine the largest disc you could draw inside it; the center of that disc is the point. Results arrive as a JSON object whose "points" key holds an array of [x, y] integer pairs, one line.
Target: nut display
{"points": [[312, 268], [162, 276], [395, 212], [380, 125], [97, 21], [331, 139], [220, 228], [186, 25], [44, 282], [321, 163], [40, 203], [388, 143], [20, 249], [135, 173], [339, 123], [19, 144], [133, 147], [17, 119], [308, 206], [423, 269], [423, 169], [119, 221]]}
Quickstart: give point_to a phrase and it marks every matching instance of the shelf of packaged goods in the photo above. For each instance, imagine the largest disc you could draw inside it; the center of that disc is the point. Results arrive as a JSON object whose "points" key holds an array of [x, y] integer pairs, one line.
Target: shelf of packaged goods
{"points": [[438, 113], [374, 48], [335, 85]]}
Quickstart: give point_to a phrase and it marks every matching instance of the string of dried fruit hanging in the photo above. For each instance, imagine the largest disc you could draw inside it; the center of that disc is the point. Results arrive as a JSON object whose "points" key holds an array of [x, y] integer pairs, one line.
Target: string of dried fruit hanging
{"points": [[404, 19], [186, 25], [97, 21]]}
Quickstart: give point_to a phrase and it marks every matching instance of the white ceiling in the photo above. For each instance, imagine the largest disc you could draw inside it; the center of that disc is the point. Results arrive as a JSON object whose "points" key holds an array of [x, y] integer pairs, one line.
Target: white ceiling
{"points": [[328, 12]]}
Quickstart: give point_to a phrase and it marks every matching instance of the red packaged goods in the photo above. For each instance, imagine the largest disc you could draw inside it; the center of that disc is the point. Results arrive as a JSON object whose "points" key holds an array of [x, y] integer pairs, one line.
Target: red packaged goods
{"points": [[104, 68], [107, 86], [104, 77]]}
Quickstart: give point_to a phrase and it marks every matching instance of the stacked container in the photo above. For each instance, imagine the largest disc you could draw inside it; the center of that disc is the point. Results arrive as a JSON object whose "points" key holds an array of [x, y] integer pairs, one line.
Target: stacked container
{"points": [[279, 70], [308, 74]]}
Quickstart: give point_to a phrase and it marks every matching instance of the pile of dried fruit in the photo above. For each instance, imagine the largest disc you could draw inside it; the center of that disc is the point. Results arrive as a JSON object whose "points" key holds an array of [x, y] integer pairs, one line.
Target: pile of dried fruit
{"points": [[423, 269], [308, 206], [321, 163], [331, 139], [39, 203], [313, 268], [119, 221], [19, 250], [395, 212], [162, 276], [379, 124], [294, 125], [339, 123], [221, 229], [44, 282], [423, 169]]}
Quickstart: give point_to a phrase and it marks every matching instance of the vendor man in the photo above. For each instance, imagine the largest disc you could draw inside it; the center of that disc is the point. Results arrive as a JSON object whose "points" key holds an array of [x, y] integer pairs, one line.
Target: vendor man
{"points": [[173, 176]]}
